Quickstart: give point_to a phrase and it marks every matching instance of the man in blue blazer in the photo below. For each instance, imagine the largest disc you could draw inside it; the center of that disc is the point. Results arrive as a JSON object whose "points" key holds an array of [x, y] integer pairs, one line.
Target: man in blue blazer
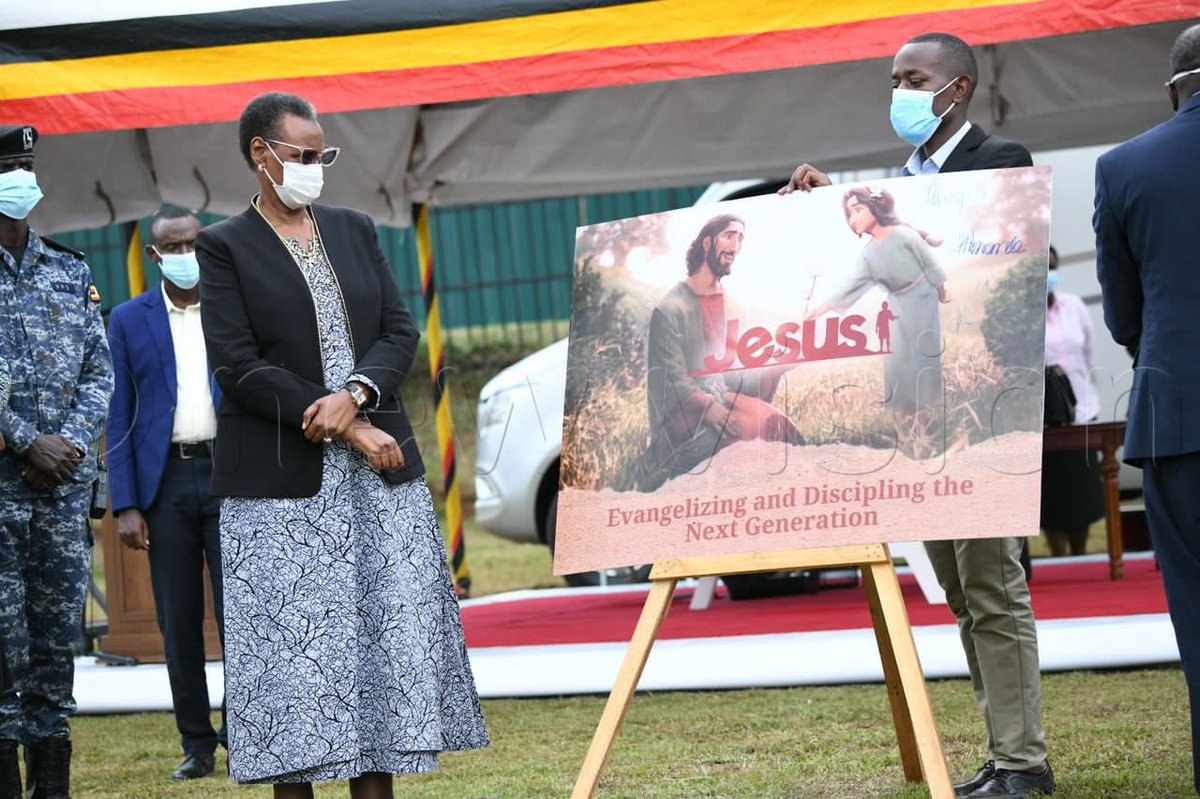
{"points": [[1147, 203], [161, 426]]}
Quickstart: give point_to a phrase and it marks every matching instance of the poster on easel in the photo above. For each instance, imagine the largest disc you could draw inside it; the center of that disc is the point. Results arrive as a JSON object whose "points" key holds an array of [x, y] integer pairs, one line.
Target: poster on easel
{"points": [[859, 364]]}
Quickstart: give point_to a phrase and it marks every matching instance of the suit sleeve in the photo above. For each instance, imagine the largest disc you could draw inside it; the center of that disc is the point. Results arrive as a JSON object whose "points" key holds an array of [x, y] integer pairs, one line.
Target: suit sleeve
{"points": [[18, 433], [94, 388], [386, 364], [122, 410], [245, 377], [1116, 269], [1007, 155]]}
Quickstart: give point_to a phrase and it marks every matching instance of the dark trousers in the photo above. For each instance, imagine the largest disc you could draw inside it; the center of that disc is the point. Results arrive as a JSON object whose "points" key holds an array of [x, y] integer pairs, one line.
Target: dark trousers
{"points": [[45, 561], [1172, 489], [184, 532]]}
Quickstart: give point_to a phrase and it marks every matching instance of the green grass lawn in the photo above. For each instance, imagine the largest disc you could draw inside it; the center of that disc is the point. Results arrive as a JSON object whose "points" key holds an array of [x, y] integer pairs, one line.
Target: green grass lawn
{"points": [[1111, 735], [498, 565]]}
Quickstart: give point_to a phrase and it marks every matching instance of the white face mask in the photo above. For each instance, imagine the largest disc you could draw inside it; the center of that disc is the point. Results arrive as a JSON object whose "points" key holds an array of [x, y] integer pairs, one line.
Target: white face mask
{"points": [[182, 269], [301, 182], [1183, 74], [19, 192]]}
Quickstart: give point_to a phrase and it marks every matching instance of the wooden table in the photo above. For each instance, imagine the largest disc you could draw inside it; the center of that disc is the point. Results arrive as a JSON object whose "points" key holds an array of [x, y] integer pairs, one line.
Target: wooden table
{"points": [[132, 621], [1102, 437]]}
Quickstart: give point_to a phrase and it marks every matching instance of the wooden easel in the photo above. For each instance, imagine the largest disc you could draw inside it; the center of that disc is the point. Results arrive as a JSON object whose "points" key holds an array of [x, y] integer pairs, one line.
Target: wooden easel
{"points": [[920, 747]]}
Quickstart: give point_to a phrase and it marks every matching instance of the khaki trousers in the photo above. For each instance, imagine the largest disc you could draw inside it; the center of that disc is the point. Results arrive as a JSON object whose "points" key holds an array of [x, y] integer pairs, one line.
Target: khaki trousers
{"points": [[986, 589]]}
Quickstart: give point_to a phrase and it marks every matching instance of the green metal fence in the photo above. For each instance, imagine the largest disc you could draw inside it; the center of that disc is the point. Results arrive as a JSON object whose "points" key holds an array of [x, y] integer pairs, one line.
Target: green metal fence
{"points": [[503, 271]]}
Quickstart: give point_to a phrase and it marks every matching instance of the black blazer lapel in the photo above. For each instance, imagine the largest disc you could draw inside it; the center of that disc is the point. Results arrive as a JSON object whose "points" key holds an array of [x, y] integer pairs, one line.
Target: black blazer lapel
{"points": [[277, 269], [962, 159], [348, 267]]}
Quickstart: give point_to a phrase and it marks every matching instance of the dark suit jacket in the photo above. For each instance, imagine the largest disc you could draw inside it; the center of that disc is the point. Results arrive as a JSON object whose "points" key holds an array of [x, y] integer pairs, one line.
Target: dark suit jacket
{"points": [[981, 150], [260, 327], [1147, 193], [141, 414]]}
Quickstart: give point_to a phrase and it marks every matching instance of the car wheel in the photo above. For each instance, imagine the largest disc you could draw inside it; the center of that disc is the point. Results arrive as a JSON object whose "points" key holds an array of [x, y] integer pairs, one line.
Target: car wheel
{"points": [[622, 576]]}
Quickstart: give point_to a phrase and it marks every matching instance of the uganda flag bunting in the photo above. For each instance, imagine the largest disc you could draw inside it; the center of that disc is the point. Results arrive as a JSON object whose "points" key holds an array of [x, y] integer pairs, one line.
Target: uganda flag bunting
{"points": [[79, 68], [134, 265]]}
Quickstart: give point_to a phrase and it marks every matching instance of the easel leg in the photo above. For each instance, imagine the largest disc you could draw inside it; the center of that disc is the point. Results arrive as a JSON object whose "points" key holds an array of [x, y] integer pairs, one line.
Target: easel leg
{"points": [[920, 747], [653, 613]]}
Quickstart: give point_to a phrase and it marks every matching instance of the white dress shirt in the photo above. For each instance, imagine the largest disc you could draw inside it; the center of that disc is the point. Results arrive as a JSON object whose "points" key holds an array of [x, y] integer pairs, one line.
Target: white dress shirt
{"points": [[933, 164], [195, 417]]}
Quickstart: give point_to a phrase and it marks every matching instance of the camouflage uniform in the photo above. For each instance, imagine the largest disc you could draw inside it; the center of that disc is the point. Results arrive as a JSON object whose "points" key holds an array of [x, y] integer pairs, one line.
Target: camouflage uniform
{"points": [[52, 338]]}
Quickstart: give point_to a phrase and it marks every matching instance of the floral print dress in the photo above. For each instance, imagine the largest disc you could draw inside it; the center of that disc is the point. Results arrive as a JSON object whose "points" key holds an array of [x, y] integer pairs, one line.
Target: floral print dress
{"points": [[344, 649]]}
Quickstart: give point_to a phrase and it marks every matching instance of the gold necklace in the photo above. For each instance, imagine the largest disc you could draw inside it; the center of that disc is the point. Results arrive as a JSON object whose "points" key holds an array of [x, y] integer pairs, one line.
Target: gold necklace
{"points": [[307, 221], [312, 221], [336, 282], [304, 276]]}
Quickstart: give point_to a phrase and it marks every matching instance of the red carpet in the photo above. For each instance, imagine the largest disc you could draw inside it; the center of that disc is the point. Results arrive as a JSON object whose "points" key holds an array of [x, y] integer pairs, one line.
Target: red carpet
{"points": [[1060, 591]]}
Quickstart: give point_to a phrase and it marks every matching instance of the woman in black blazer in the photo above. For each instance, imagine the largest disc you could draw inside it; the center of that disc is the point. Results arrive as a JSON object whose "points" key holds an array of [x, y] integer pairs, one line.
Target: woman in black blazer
{"points": [[344, 654]]}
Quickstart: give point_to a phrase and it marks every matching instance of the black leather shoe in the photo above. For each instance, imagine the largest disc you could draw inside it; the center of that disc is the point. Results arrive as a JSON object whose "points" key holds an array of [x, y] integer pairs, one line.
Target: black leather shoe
{"points": [[48, 769], [983, 775], [1006, 784], [193, 767]]}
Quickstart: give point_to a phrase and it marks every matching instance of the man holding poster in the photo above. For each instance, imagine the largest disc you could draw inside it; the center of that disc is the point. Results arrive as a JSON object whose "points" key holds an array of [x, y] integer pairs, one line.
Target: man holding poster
{"points": [[933, 78]]}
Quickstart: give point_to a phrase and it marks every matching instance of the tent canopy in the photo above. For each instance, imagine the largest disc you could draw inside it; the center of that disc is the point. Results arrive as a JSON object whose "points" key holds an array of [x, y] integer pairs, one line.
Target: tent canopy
{"points": [[481, 100]]}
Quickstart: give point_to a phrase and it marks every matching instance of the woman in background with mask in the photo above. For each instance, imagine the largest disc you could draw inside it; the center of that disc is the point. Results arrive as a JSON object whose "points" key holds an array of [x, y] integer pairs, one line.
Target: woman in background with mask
{"points": [[344, 650], [1072, 495]]}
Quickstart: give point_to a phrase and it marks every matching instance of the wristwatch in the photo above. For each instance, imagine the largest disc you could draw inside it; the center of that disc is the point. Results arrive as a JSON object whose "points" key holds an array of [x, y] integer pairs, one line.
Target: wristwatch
{"points": [[358, 394]]}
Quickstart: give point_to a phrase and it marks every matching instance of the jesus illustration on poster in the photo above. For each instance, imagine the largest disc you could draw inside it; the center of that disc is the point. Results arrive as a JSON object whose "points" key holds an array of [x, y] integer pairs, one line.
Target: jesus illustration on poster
{"points": [[861, 364]]}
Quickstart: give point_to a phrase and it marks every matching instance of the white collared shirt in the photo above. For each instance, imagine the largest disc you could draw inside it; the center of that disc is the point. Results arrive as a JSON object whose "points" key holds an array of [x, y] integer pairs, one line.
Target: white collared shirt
{"points": [[195, 418], [933, 164]]}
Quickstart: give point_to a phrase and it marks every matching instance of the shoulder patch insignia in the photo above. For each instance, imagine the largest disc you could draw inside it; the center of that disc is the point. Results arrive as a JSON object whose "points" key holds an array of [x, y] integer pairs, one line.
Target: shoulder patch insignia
{"points": [[93, 294]]}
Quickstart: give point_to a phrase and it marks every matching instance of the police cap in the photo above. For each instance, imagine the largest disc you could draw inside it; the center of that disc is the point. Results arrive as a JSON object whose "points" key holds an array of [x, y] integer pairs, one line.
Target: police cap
{"points": [[18, 141]]}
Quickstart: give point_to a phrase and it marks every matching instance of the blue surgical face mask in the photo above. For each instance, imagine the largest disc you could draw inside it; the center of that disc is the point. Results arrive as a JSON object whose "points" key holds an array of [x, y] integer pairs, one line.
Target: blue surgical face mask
{"points": [[19, 192], [183, 269], [912, 114], [1052, 279]]}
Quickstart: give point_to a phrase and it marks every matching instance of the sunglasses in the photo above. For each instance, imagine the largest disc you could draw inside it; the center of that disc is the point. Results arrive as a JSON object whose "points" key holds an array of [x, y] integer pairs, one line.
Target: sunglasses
{"points": [[309, 155]]}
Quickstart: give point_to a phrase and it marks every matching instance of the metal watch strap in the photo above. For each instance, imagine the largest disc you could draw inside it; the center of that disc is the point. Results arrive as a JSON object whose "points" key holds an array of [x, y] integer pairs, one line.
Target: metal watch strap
{"points": [[358, 394]]}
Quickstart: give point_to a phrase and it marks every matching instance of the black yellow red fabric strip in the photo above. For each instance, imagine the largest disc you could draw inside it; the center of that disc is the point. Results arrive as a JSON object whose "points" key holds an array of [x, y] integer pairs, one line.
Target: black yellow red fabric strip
{"points": [[588, 47]]}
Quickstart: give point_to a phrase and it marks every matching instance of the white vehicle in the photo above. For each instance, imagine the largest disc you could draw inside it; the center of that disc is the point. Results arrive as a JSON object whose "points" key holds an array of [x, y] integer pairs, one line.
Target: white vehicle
{"points": [[521, 410], [519, 430]]}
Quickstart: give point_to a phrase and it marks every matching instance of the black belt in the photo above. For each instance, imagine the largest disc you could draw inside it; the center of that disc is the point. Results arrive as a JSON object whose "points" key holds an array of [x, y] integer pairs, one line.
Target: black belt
{"points": [[192, 449]]}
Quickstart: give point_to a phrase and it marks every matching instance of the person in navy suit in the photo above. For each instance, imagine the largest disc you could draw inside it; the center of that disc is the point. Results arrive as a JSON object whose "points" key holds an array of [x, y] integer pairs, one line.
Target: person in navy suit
{"points": [[1147, 201], [161, 426]]}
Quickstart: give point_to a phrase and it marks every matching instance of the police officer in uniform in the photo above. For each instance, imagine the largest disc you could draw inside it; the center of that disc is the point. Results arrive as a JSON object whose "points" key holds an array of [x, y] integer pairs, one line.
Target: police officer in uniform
{"points": [[52, 338]]}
